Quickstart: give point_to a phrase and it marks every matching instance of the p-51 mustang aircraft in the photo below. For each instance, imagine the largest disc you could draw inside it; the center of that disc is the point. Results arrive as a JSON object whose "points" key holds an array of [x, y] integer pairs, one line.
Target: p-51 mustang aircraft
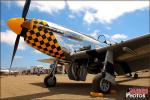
{"points": [[121, 58]]}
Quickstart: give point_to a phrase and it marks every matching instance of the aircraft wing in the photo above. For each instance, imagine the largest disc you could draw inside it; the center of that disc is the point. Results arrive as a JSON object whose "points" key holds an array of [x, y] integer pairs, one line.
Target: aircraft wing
{"points": [[51, 60], [135, 51]]}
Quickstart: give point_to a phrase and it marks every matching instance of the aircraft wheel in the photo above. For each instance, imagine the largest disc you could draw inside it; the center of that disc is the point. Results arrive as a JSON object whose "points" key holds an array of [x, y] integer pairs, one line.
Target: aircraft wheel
{"points": [[100, 84], [50, 81], [136, 76]]}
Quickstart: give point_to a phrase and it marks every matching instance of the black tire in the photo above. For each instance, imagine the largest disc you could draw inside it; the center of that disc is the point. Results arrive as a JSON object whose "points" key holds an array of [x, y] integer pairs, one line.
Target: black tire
{"points": [[136, 76], [97, 85], [49, 82]]}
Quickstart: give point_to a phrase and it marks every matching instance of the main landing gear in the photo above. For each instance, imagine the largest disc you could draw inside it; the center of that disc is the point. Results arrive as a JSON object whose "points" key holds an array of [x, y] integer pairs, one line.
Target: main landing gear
{"points": [[100, 84], [103, 81], [50, 80]]}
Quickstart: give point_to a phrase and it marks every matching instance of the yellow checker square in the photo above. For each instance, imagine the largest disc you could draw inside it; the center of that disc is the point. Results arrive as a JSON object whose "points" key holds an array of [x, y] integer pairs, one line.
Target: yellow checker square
{"points": [[47, 52], [53, 37], [35, 47], [47, 35], [51, 43], [56, 45], [52, 54], [37, 43], [28, 34], [43, 46], [31, 41], [44, 23], [42, 33], [45, 41], [36, 30], [49, 48], [41, 50], [40, 38], [60, 52], [58, 56], [38, 20], [34, 36], [55, 50]]}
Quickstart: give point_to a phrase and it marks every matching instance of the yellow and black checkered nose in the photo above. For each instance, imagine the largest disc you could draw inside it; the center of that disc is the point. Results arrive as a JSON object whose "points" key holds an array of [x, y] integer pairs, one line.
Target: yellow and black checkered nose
{"points": [[44, 40]]}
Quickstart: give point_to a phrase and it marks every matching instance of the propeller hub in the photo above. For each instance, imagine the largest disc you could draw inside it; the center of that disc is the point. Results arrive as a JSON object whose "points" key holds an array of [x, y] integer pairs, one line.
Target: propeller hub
{"points": [[15, 24]]}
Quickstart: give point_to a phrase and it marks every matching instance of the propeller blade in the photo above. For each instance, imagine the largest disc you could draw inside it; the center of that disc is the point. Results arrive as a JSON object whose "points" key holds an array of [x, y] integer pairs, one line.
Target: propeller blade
{"points": [[15, 49], [26, 8]]}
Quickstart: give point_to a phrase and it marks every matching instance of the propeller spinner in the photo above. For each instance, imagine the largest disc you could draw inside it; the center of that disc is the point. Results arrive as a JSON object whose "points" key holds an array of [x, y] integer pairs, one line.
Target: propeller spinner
{"points": [[16, 25]]}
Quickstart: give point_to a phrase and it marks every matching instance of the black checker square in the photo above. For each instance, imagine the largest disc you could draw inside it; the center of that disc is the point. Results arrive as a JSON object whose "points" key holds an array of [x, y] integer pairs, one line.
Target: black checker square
{"points": [[56, 53], [45, 49], [39, 47], [33, 44], [47, 44], [43, 36], [38, 34], [51, 51], [40, 28], [55, 41], [58, 48], [51, 33], [35, 40], [49, 39], [53, 47], [41, 42], [45, 30], [30, 38], [32, 32]]}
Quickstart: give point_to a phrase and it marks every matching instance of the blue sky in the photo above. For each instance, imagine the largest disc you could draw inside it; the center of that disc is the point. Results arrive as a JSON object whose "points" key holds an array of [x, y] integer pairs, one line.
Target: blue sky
{"points": [[116, 20]]}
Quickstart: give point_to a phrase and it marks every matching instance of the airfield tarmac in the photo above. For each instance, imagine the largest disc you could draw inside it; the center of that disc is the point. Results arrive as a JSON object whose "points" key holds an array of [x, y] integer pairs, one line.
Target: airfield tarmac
{"points": [[27, 87]]}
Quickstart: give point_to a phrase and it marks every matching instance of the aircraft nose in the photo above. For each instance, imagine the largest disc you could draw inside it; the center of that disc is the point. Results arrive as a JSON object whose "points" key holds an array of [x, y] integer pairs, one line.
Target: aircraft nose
{"points": [[15, 24]]}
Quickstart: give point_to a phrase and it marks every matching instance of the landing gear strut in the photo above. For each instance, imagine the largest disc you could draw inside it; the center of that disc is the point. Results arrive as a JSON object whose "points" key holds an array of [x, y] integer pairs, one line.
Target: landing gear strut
{"points": [[50, 80], [102, 81]]}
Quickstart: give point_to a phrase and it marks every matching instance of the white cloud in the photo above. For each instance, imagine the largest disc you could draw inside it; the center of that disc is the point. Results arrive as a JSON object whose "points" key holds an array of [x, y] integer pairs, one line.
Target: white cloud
{"points": [[95, 34], [9, 38], [108, 28], [89, 17], [118, 37], [105, 11], [94, 11], [45, 6], [107, 35], [71, 16]]}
